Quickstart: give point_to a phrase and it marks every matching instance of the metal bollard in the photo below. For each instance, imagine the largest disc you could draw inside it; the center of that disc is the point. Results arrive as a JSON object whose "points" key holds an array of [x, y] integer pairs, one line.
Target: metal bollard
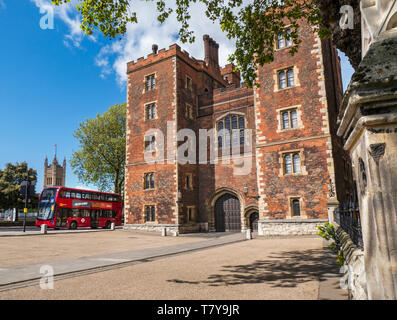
{"points": [[112, 225], [43, 229], [248, 234], [163, 232]]}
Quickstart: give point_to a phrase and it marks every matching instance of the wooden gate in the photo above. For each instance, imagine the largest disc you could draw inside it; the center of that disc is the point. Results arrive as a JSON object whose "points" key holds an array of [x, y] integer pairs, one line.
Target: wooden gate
{"points": [[227, 214]]}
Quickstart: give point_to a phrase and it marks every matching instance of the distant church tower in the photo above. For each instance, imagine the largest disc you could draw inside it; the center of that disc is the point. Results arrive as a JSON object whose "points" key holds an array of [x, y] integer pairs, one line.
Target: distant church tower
{"points": [[54, 174]]}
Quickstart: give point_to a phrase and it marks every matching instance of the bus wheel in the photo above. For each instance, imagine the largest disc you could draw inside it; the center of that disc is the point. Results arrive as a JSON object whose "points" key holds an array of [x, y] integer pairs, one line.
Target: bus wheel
{"points": [[107, 225], [73, 225]]}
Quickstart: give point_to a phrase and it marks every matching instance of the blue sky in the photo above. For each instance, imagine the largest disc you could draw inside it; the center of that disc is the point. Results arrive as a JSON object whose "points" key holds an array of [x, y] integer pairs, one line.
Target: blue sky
{"points": [[50, 80]]}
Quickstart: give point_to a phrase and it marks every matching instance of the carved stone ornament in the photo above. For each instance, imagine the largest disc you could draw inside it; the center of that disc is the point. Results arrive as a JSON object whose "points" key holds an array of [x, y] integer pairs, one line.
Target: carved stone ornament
{"points": [[379, 21], [377, 151], [331, 188]]}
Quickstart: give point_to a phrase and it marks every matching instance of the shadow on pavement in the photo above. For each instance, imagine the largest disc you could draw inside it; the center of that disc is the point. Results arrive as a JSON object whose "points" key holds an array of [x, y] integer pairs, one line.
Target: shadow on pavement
{"points": [[284, 270]]}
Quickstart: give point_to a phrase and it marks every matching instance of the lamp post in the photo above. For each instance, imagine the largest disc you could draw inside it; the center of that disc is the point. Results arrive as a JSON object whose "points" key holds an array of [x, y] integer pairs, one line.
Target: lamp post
{"points": [[25, 186]]}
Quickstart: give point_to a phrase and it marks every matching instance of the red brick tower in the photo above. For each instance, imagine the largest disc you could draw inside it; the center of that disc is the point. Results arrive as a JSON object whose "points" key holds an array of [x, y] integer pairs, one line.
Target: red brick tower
{"points": [[296, 107]]}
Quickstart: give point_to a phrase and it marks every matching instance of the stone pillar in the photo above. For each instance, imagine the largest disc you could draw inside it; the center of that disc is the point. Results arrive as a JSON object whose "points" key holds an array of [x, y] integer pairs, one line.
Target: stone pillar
{"points": [[332, 205], [43, 229], [368, 124]]}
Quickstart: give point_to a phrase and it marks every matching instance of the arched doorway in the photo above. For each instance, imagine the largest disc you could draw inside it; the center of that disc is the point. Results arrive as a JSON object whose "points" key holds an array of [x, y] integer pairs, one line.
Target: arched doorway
{"points": [[227, 213], [253, 221]]}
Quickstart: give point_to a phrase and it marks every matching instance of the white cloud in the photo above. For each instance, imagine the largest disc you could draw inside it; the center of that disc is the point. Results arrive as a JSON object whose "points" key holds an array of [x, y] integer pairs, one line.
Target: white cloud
{"points": [[139, 38], [69, 15]]}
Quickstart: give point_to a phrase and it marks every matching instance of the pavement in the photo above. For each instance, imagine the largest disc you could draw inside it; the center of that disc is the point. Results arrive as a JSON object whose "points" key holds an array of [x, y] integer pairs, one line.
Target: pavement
{"points": [[206, 266]]}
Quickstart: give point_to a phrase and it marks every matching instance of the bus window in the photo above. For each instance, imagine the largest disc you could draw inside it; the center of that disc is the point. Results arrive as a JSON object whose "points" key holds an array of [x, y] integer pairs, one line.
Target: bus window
{"points": [[114, 214], [87, 196], [78, 195], [73, 195], [75, 213], [107, 214], [85, 213]]}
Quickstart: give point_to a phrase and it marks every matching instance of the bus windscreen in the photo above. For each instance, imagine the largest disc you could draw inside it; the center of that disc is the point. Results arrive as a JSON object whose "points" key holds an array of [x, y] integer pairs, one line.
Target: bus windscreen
{"points": [[47, 204]]}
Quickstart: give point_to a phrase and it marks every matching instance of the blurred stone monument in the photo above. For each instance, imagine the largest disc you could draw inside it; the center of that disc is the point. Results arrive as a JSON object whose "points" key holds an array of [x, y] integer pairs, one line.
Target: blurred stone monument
{"points": [[368, 124]]}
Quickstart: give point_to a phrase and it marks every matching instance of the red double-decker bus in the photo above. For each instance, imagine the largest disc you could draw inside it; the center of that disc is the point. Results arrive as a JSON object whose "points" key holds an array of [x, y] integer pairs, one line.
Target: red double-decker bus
{"points": [[61, 207]]}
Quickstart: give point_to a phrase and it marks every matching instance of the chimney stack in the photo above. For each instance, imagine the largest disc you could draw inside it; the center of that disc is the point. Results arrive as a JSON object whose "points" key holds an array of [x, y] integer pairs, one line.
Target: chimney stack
{"points": [[210, 51], [207, 56], [155, 48]]}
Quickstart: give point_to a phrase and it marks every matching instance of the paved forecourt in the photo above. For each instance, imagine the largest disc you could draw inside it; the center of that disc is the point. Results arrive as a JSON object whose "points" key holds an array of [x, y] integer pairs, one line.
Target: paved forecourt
{"points": [[217, 267]]}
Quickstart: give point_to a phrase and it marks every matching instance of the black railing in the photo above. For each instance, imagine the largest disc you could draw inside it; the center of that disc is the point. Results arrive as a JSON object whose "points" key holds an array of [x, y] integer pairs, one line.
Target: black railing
{"points": [[348, 217]]}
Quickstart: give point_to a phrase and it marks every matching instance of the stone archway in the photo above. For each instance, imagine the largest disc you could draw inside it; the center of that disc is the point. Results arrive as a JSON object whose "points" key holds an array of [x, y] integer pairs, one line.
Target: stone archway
{"points": [[227, 213], [251, 216], [253, 221]]}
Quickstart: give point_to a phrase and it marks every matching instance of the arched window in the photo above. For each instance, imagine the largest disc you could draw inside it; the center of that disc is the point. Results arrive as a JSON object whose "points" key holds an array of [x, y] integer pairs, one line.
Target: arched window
{"points": [[234, 126]]}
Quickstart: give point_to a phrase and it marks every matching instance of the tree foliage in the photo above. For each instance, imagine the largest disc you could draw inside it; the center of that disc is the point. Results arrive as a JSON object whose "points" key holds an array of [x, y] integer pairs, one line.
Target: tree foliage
{"points": [[254, 25], [101, 158], [10, 180]]}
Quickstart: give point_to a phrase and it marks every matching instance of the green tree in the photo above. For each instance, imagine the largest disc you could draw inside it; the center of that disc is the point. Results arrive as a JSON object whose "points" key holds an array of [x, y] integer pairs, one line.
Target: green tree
{"points": [[10, 180], [254, 26], [101, 158]]}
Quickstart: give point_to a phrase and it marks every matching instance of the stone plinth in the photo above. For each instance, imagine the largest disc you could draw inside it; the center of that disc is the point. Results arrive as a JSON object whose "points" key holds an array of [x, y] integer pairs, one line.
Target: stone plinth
{"points": [[368, 124]]}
